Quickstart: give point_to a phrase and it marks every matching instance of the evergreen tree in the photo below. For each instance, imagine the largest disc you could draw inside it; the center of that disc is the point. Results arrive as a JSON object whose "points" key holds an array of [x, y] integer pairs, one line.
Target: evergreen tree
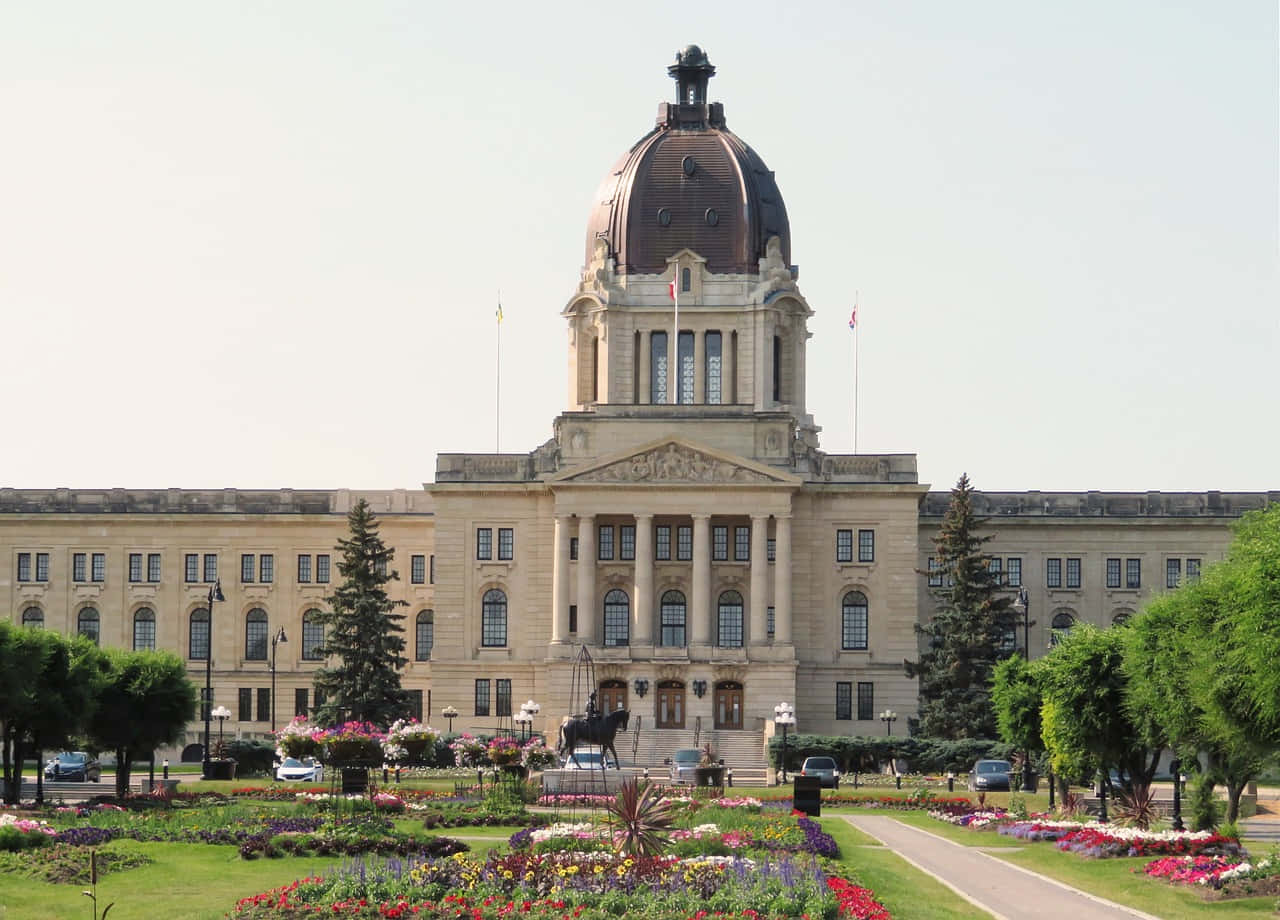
{"points": [[967, 634], [363, 631]]}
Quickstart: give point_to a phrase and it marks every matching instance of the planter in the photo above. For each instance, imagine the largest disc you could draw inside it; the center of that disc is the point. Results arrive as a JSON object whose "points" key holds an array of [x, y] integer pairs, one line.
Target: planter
{"points": [[220, 769], [708, 776], [415, 750], [355, 780], [299, 746], [355, 749]]}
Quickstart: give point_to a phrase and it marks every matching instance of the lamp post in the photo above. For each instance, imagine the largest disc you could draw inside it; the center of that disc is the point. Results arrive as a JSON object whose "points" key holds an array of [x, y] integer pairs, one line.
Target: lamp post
{"points": [[222, 713], [784, 716], [888, 717], [449, 713], [532, 709], [1022, 605], [215, 594], [1175, 767], [275, 640]]}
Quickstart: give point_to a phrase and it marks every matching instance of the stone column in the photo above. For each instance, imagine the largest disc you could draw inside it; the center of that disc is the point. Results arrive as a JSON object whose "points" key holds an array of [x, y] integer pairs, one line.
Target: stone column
{"points": [[587, 579], [700, 367], [759, 579], [700, 603], [560, 581], [642, 612], [642, 359], [782, 581]]}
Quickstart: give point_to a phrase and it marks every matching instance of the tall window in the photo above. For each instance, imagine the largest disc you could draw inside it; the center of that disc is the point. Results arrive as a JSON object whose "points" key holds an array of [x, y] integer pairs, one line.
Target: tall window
{"points": [[245, 706], [658, 368], [673, 620], [715, 395], [662, 542], [484, 542], [79, 567], [1172, 572], [1073, 573], [742, 544], [844, 701], [844, 546], [482, 697], [266, 568], [684, 543], [719, 543], [431, 569], [573, 550], [426, 635], [264, 704], [98, 562], [1113, 573], [503, 701], [604, 547], [866, 700], [617, 618], [627, 542], [686, 280], [192, 563], [771, 549], [1053, 573], [687, 369], [768, 622], [1133, 573], [255, 635], [853, 621], [246, 568], [994, 566], [1013, 572], [729, 620], [153, 567], [33, 617], [135, 567], [493, 619], [322, 571], [210, 567], [1061, 625], [866, 546], [418, 570], [506, 543], [300, 701], [24, 566], [312, 636], [42, 566], [304, 569], [777, 368], [87, 623], [144, 629], [1193, 569], [935, 572], [198, 635]]}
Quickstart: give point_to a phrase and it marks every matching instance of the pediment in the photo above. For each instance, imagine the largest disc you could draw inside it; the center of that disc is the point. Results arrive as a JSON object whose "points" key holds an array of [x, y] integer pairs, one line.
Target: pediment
{"points": [[672, 461]]}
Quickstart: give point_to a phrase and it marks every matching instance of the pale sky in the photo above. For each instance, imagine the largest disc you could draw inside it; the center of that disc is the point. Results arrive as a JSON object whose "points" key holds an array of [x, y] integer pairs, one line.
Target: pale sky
{"points": [[260, 244]]}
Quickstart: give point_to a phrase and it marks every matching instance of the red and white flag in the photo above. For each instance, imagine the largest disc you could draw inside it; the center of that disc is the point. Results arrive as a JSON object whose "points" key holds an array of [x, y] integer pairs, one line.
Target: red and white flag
{"points": [[671, 289]]}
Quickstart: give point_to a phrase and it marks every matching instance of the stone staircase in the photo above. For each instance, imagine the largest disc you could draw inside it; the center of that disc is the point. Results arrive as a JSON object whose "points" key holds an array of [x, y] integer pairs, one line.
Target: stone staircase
{"points": [[742, 751]]}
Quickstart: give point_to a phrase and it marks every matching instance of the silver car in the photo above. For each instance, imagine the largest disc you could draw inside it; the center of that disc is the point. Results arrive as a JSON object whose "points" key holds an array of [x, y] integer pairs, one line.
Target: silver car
{"points": [[824, 769], [684, 766]]}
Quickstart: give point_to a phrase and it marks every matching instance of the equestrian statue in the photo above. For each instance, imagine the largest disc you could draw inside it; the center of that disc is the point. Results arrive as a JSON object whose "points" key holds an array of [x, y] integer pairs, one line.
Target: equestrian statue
{"points": [[593, 728]]}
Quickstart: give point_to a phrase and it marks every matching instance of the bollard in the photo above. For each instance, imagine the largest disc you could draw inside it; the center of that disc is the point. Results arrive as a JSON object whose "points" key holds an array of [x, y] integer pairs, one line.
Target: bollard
{"points": [[951, 783], [386, 774], [397, 776], [730, 775], [166, 768], [897, 780], [480, 778]]}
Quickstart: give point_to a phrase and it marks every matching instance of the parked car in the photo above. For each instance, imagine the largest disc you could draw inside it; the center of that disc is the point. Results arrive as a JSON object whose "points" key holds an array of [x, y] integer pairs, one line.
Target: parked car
{"points": [[824, 769], [683, 766], [73, 767], [590, 757], [305, 770], [988, 775]]}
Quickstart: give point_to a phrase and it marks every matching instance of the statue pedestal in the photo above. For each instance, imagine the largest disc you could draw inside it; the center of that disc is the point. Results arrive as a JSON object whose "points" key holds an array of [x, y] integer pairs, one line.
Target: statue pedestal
{"points": [[582, 782]]}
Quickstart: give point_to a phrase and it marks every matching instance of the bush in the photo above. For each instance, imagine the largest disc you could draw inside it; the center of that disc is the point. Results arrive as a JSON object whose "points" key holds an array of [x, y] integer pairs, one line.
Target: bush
{"points": [[1205, 809], [251, 757], [12, 839]]}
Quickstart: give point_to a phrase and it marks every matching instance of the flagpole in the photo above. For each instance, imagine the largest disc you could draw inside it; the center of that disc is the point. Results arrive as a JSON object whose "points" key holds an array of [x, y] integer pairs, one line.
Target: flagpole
{"points": [[497, 385], [855, 373]]}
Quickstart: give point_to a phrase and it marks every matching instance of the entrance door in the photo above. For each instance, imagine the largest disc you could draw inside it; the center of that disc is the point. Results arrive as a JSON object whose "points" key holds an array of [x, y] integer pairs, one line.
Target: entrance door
{"points": [[613, 695], [670, 704], [728, 703]]}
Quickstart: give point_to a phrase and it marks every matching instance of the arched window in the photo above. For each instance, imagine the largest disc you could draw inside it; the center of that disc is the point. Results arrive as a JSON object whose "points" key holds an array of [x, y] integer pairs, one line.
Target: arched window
{"points": [[853, 622], [1121, 618], [729, 631], [255, 635], [1061, 625], [312, 636], [198, 635], [493, 619], [686, 279], [144, 629], [87, 624], [426, 637], [617, 618], [673, 620], [33, 617]]}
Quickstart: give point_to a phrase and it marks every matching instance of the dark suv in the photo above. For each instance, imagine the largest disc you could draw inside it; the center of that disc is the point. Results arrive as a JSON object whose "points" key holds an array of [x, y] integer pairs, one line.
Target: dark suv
{"points": [[73, 767]]}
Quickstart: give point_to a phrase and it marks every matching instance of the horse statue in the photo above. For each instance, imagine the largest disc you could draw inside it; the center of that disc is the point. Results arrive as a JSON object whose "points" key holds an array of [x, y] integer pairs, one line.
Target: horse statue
{"points": [[593, 729]]}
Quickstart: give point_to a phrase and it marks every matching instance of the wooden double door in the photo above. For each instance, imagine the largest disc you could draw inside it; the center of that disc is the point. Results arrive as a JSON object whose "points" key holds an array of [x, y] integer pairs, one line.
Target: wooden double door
{"points": [[728, 705]]}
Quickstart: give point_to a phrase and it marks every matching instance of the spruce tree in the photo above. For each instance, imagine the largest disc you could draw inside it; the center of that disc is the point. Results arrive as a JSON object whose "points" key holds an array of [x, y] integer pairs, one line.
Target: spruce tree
{"points": [[968, 632], [363, 632]]}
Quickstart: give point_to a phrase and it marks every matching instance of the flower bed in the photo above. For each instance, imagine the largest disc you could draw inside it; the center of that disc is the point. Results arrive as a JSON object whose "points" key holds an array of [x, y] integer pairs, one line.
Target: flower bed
{"points": [[1103, 841], [972, 819]]}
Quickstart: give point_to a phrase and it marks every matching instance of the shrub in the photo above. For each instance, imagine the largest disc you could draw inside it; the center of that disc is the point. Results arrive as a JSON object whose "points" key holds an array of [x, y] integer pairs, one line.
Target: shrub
{"points": [[251, 757], [13, 839], [1136, 807], [1203, 804]]}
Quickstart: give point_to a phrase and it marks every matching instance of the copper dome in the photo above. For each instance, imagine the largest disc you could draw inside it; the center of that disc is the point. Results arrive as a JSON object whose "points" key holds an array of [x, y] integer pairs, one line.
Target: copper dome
{"points": [[690, 183]]}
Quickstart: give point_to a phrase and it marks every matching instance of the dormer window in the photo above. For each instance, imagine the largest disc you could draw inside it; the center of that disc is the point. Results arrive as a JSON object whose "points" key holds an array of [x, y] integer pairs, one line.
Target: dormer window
{"points": [[686, 280]]}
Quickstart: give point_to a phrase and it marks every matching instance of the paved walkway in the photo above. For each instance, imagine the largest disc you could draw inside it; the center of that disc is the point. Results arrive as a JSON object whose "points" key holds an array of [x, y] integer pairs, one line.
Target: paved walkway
{"points": [[1006, 891]]}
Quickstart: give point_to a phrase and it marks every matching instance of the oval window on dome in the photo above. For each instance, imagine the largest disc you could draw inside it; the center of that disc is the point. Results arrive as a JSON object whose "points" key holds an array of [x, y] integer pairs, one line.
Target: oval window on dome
{"points": [[689, 165], [664, 217], [712, 217]]}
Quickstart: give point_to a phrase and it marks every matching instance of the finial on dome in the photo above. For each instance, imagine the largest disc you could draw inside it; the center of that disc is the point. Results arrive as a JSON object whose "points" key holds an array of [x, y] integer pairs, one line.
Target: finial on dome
{"points": [[691, 71]]}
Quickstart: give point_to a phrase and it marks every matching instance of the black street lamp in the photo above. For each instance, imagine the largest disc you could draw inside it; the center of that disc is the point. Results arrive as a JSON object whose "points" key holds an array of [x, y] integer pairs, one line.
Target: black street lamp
{"points": [[275, 640], [215, 594], [784, 716], [888, 717], [1175, 767], [1023, 606]]}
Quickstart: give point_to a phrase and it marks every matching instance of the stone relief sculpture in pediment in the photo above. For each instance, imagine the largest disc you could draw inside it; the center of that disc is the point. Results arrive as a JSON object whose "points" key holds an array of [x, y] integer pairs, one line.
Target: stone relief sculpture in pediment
{"points": [[673, 463]]}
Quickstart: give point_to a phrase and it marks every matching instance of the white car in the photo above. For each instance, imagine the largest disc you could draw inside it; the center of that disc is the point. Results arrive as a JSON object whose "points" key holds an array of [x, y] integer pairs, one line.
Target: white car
{"points": [[590, 757], [307, 771]]}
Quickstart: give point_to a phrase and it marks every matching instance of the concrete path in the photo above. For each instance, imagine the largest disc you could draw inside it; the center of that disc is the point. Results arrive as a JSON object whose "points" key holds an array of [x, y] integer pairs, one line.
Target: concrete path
{"points": [[1005, 891]]}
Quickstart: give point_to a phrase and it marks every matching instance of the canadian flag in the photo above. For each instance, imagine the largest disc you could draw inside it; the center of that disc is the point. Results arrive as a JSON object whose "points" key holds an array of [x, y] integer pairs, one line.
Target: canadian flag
{"points": [[671, 289]]}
